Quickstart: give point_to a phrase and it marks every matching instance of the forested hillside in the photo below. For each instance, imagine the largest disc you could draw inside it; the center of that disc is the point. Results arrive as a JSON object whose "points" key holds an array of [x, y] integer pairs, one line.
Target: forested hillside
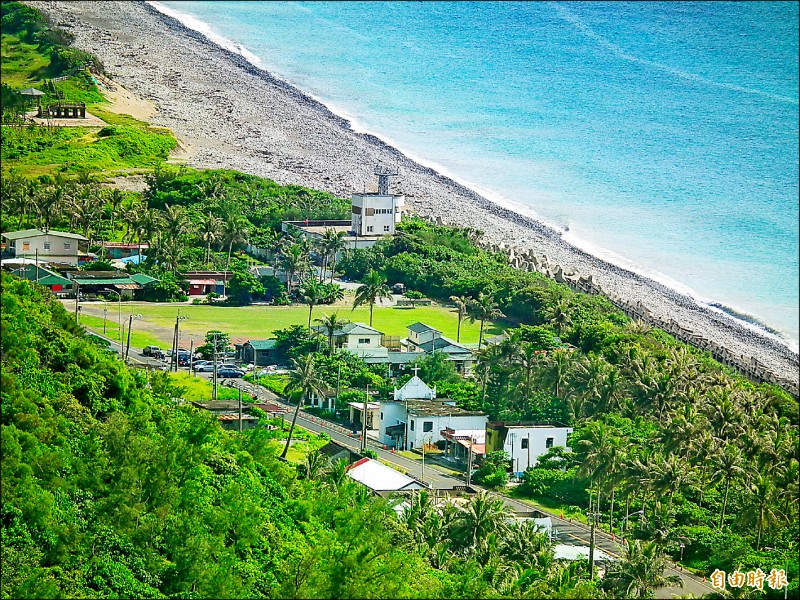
{"points": [[109, 489]]}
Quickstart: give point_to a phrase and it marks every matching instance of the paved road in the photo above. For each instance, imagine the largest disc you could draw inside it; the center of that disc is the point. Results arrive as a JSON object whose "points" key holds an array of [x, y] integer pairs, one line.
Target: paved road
{"points": [[566, 532]]}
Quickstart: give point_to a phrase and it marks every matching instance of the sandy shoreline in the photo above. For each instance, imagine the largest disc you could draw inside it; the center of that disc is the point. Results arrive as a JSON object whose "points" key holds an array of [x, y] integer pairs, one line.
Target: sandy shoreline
{"points": [[237, 116]]}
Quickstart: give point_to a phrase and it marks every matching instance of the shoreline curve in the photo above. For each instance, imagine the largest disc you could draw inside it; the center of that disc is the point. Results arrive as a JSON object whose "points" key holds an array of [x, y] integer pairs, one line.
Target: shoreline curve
{"points": [[305, 135]]}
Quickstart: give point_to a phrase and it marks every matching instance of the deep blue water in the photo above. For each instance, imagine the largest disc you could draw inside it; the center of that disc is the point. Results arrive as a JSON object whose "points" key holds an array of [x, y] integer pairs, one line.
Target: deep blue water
{"points": [[664, 136]]}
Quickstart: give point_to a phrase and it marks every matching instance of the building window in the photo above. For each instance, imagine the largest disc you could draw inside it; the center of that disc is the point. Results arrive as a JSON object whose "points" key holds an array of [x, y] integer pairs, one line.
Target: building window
{"points": [[412, 425], [47, 245], [369, 228], [363, 340], [26, 245], [524, 443], [381, 416], [427, 426], [386, 228], [67, 245], [549, 442], [356, 210]]}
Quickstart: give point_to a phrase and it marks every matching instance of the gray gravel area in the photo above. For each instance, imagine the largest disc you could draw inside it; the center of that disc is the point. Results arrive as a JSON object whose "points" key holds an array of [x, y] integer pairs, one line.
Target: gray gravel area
{"points": [[234, 115]]}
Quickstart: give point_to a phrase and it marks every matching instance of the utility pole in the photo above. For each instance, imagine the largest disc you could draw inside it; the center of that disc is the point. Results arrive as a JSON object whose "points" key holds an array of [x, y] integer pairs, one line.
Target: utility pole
{"points": [[423, 461], [593, 520], [511, 435], [214, 370], [176, 341], [191, 357], [37, 268], [105, 315], [338, 385], [128, 347], [173, 361], [364, 422], [529, 450], [469, 461], [77, 293], [240, 410]]}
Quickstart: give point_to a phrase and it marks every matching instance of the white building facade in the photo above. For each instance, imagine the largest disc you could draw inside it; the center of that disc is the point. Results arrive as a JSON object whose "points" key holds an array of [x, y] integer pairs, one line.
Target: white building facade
{"points": [[416, 417], [52, 246], [525, 442], [376, 214]]}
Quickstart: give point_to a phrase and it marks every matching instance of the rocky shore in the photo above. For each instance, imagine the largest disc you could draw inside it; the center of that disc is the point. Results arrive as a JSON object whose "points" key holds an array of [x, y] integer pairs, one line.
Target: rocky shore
{"points": [[234, 115]]}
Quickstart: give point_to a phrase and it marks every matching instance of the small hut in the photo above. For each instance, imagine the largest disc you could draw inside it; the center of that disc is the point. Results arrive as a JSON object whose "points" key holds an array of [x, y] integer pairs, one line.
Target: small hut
{"points": [[34, 93]]}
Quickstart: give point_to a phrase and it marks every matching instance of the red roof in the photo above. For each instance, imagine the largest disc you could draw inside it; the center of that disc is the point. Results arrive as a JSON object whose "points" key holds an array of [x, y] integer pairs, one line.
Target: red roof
{"points": [[476, 448], [358, 463]]}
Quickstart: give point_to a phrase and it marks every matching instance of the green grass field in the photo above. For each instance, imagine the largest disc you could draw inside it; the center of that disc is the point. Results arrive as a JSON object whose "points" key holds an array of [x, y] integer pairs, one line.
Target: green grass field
{"points": [[200, 389], [22, 64], [258, 322], [138, 339]]}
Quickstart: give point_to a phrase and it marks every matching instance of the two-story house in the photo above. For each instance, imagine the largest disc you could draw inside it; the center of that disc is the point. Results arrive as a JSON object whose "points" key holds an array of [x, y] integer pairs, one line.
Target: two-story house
{"points": [[358, 338], [427, 339], [59, 247], [416, 417]]}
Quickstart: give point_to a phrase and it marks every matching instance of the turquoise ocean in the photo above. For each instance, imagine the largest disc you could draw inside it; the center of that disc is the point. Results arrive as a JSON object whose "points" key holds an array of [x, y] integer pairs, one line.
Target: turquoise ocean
{"points": [[661, 136]]}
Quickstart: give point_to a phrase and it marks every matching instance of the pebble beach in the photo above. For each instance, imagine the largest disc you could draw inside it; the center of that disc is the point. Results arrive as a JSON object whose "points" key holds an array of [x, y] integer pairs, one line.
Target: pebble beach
{"points": [[227, 113]]}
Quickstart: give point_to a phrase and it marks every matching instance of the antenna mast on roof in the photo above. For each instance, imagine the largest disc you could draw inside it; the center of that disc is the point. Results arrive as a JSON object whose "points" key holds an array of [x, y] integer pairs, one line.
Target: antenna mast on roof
{"points": [[383, 174]]}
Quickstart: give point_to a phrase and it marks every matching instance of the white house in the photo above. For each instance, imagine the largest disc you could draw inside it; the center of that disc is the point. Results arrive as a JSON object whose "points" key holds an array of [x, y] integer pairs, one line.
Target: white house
{"points": [[358, 338], [427, 339], [524, 441], [415, 417], [381, 478], [52, 246]]}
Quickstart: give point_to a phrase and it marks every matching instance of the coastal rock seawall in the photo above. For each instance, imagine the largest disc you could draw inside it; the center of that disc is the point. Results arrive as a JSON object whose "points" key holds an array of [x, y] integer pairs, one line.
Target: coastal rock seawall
{"points": [[235, 115]]}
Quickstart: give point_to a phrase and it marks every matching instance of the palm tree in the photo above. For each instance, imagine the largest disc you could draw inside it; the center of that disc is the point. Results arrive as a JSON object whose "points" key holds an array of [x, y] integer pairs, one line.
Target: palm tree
{"points": [[483, 516], [462, 304], [212, 188], [525, 360], [729, 466], [292, 260], [86, 211], [602, 448], [335, 244], [147, 226], [210, 232], [374, 288], [234, 231], [115, 199], [486, 360], [482, 309], [172, 250], [761, 509], [176, 222], [49, 202], [312, 292], [305, 378], [640, 572], [557, 368], [558, 315], [315, 465], [331, 324]]}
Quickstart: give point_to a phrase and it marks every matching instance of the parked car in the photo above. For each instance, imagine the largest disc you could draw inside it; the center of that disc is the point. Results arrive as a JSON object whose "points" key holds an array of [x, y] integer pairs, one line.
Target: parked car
{"points": [[204, 367], [230, 373], [150, 350]]}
